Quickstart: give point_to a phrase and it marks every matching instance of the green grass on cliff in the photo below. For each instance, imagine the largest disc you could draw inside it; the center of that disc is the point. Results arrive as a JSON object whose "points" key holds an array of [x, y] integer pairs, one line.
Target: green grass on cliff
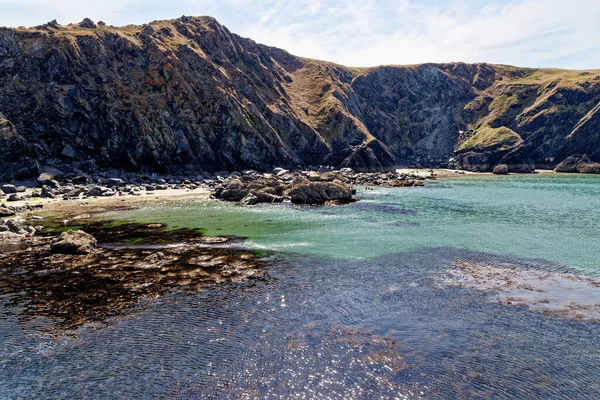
{"points": [[486, 136]]}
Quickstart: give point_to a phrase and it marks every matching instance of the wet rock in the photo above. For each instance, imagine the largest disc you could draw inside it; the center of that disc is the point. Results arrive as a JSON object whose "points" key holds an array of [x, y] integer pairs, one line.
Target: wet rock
{"points": [[249, 200], [501, 169], [74, 242], [306, 192], [9, 189]]}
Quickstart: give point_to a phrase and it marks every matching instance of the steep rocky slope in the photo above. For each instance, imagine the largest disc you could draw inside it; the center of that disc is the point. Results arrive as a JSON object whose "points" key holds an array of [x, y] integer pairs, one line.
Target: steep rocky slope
{"points": [[187, 95]]}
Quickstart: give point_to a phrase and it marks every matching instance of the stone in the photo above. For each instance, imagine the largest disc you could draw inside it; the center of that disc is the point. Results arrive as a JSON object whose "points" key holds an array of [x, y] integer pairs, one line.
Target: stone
{"points": [[306, 192], [14, 226], [74, 242], [115, 182], [21, 189], [50, 177], [14, 197], [87, 23], [501, 169], [5, 211], [249, 200], [9, 189]]}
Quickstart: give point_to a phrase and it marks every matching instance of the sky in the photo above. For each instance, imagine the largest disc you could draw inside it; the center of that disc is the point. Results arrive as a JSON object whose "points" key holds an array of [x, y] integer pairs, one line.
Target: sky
{"points": [[527, 33]]}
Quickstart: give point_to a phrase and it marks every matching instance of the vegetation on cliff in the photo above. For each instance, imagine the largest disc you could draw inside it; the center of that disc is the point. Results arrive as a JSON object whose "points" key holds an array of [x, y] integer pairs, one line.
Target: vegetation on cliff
{"points": [[187, 95]]}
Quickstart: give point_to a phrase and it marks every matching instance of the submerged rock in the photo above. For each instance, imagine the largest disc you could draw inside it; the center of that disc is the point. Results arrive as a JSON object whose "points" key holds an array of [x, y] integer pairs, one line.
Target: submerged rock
{"points": [[74, 242]]}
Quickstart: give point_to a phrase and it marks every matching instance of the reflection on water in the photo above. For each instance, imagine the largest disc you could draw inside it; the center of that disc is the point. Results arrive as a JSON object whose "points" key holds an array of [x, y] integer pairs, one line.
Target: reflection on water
{"points": [[352, 306], [318, 328]]}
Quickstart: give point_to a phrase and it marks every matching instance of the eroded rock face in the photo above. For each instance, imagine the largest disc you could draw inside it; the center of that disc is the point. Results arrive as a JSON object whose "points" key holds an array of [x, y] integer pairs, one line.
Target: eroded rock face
{"points": [[195, 97], [74, 242], [578, 163]]}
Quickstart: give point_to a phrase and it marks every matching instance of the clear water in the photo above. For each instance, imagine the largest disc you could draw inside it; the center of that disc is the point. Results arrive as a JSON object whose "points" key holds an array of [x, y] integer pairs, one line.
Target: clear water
{"points": [[551, 217], [351, 309]]}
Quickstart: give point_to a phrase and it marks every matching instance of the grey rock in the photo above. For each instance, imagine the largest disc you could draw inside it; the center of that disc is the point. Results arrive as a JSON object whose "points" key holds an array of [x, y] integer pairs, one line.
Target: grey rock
{"points": [[14, 197], [9, 189], [74, 242], [249, 200]]}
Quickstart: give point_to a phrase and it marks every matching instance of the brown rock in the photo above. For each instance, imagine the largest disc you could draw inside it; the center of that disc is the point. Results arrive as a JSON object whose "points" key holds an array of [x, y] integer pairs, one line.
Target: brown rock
{"points": [[74, 242], [501, 169]]}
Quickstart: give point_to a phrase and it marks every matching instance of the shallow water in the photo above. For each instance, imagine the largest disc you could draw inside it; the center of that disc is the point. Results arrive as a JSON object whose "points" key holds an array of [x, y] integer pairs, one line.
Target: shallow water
{"points": [[353, 307]]}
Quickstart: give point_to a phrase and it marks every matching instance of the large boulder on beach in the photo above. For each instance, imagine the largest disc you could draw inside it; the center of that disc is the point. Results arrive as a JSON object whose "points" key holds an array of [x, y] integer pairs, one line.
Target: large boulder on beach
{"points": [[9, 189], [306, 192], [74, 242], [50, 177], [501, 169], [578, 163]]}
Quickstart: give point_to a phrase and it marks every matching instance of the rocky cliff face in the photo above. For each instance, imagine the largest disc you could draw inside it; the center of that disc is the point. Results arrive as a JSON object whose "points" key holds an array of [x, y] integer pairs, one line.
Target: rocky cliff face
{"points": [[188, 96]]}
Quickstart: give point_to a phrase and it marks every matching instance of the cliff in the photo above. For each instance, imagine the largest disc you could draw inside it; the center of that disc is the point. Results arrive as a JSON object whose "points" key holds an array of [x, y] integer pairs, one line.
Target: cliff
{"points": [[188, 96]]}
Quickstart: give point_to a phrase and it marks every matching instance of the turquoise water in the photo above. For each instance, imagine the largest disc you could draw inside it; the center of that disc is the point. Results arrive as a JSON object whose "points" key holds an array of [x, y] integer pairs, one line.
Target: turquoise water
{"points": [[550, 217], [351, 307]]}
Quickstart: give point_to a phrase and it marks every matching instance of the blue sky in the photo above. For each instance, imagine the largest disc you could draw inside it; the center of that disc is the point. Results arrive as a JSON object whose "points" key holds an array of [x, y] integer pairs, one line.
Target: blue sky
{"points": [[535, 33]]}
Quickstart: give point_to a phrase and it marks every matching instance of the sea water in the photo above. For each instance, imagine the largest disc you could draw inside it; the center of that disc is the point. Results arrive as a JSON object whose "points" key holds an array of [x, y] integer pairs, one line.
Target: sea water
{"points": [[352, 308]]}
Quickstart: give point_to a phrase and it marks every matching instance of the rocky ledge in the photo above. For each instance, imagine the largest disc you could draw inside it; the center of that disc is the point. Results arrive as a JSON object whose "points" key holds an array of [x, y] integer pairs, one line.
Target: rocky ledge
{"points": [[87, 277]]}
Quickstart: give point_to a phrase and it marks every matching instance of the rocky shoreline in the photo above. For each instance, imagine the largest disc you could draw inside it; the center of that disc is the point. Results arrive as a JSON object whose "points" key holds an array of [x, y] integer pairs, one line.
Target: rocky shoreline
{"points": [[88, 277]]}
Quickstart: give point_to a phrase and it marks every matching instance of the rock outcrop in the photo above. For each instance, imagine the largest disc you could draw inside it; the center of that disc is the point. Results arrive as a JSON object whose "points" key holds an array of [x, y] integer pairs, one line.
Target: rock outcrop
{"points": [[307, 192], [74, 242], [578, 163], [188, 96]]}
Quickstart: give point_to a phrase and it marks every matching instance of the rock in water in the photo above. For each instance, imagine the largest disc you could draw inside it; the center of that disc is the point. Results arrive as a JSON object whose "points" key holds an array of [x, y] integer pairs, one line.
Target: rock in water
{"points": [[305, 192], [74, 242], [249, 200], [501, 169]]}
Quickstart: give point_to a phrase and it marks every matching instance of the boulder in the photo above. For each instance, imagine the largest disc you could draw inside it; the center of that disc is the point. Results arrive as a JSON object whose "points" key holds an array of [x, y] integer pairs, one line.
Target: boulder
{"points": [[14, 225], [14, 197], [578, 163], [306, 192], [249, 200], [5, 211], [74, 242], [87, 23], [501, 169], [50, 177], [115, 182], [9, 189], [47, 192], [21, 189]]}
